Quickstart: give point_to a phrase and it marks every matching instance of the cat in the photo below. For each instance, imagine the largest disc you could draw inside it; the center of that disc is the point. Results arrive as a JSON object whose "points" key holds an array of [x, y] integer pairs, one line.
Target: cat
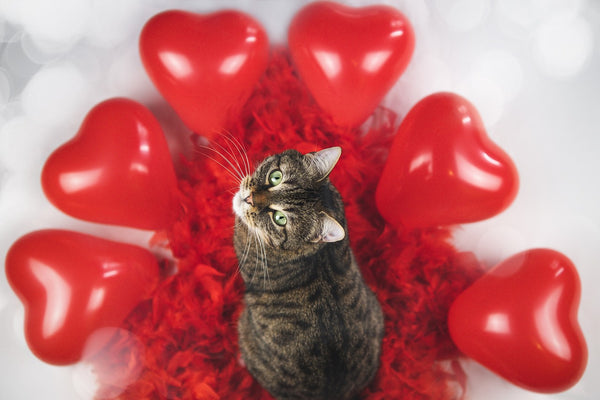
{"points": [[310, 327]]}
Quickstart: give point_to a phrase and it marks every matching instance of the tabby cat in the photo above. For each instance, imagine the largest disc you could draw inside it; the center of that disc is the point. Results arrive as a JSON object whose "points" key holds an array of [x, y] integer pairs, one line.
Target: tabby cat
{"points": [[311, 328]]}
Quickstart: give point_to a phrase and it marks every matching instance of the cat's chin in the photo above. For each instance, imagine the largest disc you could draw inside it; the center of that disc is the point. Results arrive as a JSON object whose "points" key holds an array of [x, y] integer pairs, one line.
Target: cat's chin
{"points": [[238, 205]]}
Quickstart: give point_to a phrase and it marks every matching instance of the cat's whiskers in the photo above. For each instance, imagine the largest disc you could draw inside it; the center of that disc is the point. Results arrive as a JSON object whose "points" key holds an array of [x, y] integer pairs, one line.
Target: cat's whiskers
{"points": [[240, 156], [236, 163], [232, 157], [233, 190], [241, 150], [229, 168], [231, 160], [237, 151], [261, 253], [265, 266], [244, 257], [256, 240]]}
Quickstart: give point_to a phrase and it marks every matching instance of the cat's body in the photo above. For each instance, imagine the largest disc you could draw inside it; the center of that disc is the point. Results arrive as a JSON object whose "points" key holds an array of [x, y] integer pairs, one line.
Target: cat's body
{"points": [[311, 328]]}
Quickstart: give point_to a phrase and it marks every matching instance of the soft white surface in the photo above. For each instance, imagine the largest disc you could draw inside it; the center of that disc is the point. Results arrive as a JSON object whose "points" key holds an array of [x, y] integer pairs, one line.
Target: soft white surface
{"points": [[532, 67]]}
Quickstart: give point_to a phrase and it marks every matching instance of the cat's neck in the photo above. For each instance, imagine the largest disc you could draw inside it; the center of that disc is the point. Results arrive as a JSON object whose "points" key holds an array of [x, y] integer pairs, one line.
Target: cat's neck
{"points": [[285, 272]]}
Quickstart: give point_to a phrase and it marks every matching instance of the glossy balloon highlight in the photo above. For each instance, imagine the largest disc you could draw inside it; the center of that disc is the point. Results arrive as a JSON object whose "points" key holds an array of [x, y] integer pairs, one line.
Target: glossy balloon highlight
{"points": [[443, 169], [72, 285], [116, 170], [204, 65], [350, 57], [520, 321]]}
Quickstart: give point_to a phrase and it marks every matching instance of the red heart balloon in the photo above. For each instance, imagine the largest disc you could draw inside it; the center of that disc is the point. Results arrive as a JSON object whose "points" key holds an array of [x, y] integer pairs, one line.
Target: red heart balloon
{"points": [[204, 65], [350, 57], [72, 285], [520, 321], [116, 170], [443, 169]]}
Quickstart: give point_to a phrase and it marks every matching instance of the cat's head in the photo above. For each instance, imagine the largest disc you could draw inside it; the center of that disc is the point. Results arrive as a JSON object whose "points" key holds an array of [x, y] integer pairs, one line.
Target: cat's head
{"points": [[289, 202]]}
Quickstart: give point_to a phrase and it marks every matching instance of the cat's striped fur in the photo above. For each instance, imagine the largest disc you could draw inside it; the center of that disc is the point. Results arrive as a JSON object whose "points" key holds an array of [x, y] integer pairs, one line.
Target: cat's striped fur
{"points": [[311, 328]]}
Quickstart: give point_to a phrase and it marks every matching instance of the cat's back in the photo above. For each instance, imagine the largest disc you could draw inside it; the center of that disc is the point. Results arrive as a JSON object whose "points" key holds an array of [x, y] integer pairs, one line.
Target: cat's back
{"points": [[316, 331]]}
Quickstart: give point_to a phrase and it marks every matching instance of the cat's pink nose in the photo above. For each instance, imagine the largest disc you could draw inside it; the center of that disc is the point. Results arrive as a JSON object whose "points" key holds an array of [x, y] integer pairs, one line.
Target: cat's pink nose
{"points": [[248, 200]]}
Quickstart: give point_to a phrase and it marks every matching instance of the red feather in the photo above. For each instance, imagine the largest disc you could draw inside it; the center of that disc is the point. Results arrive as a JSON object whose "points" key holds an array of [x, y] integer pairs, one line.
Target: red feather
{"points": [[186, 335]]}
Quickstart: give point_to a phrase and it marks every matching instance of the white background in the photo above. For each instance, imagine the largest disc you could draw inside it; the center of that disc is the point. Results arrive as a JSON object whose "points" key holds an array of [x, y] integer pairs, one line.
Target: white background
{"points": [[531, 67]]}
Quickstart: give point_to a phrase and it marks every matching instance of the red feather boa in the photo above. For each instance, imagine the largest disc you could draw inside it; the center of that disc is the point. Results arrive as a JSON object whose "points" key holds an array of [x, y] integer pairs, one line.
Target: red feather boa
{"points": [[183, 341]]}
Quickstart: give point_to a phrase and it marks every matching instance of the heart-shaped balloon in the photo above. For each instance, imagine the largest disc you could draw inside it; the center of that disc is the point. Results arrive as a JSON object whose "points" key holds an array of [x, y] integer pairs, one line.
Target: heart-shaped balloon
{"points": [[204, 65], [350, 57], [443, 169], [116, 170], [72, 285], [520, 321]]}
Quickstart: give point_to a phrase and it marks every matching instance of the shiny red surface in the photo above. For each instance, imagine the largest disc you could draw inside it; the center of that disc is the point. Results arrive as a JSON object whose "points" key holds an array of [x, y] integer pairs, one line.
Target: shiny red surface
{"points": [[520, 321], [350, 57], [116, 170], [205, 66], [72, 285], [443, 169]]}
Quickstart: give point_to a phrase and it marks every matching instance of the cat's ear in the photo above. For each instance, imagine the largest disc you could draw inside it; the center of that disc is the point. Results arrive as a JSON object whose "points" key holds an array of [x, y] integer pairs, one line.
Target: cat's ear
{"points": [[323, 161], [331, 230]]}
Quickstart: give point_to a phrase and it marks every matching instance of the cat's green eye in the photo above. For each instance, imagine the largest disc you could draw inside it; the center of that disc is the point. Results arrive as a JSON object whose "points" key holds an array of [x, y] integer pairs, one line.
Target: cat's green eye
{"points": [[279, 218], [275, 177]]}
